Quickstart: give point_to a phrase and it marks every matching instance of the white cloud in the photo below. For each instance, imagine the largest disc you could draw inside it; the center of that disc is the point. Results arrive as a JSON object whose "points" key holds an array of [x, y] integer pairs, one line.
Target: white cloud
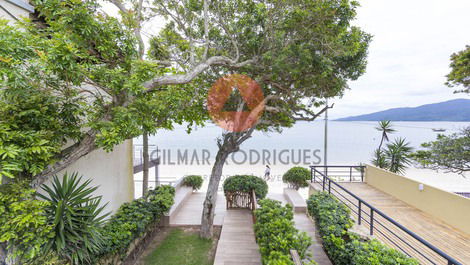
{"points": [[409, 54]]}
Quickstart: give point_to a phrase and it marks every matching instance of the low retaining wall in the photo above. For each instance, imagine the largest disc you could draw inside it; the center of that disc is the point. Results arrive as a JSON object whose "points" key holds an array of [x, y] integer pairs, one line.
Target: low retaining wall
{"points": [[446, 206]]}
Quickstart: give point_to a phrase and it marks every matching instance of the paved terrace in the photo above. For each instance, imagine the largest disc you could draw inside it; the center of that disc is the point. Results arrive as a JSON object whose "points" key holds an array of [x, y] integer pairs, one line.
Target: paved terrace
{"points": [[450, 240]]}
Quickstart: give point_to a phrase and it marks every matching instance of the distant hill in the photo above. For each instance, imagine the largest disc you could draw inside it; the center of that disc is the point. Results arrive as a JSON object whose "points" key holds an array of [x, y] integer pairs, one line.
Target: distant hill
{"points": [[452, 110]]}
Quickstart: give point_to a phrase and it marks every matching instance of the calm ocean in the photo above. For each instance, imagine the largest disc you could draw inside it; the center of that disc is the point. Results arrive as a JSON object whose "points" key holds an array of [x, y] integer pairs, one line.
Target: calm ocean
{"points": [[348, 143]]}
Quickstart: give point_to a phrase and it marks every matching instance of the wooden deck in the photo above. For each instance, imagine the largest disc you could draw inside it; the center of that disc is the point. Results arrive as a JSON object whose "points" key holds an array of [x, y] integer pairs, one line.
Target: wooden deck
{"points": [[237, 243], [453, 242]]}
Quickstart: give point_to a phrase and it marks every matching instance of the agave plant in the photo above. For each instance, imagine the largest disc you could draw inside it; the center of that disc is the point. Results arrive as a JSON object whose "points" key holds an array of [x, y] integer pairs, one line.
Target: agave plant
{"points": [[76, 215], [398, 155]]}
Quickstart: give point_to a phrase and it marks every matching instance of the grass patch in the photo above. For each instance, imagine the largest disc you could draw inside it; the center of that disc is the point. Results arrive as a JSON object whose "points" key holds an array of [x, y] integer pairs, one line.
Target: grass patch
{"points": [[182, 248]]}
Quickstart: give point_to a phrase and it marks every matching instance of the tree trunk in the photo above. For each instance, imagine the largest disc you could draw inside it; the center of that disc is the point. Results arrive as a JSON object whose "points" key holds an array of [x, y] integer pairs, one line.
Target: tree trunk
{"points": [[145, 154], [229, 143], [207, 219]]}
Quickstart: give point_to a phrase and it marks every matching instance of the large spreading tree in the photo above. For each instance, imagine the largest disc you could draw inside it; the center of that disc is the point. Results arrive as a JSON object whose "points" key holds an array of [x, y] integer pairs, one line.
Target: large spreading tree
{"points": [[75, 79]]}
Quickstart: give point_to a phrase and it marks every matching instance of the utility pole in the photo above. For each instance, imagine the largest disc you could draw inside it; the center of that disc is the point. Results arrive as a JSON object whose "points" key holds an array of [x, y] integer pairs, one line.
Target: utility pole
{"points": [[325, 147]]}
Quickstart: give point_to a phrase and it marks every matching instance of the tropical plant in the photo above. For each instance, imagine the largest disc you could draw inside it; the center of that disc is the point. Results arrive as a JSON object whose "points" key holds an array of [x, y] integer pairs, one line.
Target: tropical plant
{"points": [[194, 181], [276, 234], [379, 159], [76, 216], [297, 177], [449, 152], [24, 228], [398, 155], [246, 183], [385, 127], [460, 73]]}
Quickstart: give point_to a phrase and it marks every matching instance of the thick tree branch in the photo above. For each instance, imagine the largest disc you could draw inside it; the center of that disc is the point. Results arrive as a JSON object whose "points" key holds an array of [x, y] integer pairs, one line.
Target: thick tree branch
{"points": [[189, 76]]}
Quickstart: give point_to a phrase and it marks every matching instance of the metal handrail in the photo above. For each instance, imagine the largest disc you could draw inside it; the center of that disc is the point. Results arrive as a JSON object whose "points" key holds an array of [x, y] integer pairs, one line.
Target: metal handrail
{"points": [[450, 260]]}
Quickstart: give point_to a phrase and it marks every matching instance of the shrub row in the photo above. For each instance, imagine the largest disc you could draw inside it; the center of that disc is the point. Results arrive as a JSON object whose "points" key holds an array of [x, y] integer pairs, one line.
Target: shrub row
{"points": [[246, 183], [133, 219], [276, 234], [346, 248]]}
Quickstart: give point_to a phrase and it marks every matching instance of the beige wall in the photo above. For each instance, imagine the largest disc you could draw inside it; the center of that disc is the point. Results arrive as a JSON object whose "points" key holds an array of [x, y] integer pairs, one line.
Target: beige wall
{"points": [[112, 172], [446, 206]]}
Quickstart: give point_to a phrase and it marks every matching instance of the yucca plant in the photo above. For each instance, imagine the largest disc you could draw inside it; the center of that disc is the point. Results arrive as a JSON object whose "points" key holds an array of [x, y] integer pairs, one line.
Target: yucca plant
{"points": [[76, 215], [398, 155], [379, 159]]}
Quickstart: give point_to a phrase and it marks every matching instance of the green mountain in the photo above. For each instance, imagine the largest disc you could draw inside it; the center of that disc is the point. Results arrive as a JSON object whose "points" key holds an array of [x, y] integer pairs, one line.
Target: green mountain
{"points": [[452, 110]]}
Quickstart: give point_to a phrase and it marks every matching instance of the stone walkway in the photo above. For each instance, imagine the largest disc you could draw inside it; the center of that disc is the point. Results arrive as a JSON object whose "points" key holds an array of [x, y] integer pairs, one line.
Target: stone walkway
{"points": [[237, 243]]}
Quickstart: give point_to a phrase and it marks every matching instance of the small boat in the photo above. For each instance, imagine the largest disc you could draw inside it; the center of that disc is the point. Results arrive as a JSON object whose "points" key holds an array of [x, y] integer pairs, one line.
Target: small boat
{"points": [[438, 129]]}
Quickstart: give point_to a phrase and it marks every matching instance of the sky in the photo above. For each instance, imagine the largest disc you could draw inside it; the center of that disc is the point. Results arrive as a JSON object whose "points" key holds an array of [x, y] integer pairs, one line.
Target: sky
{"points": [[409, 55]]}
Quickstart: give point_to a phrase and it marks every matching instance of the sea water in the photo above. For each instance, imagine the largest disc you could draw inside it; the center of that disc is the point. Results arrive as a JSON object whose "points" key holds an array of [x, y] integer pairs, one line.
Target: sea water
{"points": [[349, 143]]}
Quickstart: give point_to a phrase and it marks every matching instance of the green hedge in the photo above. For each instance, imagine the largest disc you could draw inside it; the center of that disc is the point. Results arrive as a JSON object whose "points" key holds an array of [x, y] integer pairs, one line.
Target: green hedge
{"points": [[276, 233], [297, 177], [246, 183], [134, 218], [194, 181], [346, 248]]}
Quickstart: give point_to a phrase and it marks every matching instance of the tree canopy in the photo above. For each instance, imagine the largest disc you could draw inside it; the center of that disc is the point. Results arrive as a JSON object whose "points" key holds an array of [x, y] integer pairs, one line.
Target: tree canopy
{"points": [[75, 76], [460, 73], [449, 153]]}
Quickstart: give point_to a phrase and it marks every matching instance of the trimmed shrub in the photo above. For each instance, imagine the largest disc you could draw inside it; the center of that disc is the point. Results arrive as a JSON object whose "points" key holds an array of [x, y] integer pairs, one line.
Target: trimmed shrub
{"points": [[297, 177], [246, 183], [346, 248], [194, 181], [134, 218], [276, 233]]}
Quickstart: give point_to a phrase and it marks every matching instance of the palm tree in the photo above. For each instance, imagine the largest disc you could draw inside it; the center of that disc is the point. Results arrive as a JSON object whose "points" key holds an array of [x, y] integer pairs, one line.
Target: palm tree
{"points": [[397, 155], [386, 128]]}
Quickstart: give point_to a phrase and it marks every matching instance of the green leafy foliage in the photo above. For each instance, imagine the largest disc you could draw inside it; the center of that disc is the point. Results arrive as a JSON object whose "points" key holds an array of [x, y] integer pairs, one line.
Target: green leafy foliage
{"points": [[297, 177], [134, 218], [396, 156], [460, 73], [450, 153], [276, 233], [346, 248], [35, 121], [246, 183], [75, 215], [194, 181], [24, 227]]}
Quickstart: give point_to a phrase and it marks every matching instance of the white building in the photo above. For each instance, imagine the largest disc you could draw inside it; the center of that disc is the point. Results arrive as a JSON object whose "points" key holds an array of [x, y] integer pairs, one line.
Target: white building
{"points": [[112, 172]]}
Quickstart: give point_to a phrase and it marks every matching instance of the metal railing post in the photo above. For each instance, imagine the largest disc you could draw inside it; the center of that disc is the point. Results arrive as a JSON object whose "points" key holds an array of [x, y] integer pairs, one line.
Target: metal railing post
{"points": [[329, 186], [314, 176], [350, 174], [324, 179], [371, 221], [359, 213]]}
